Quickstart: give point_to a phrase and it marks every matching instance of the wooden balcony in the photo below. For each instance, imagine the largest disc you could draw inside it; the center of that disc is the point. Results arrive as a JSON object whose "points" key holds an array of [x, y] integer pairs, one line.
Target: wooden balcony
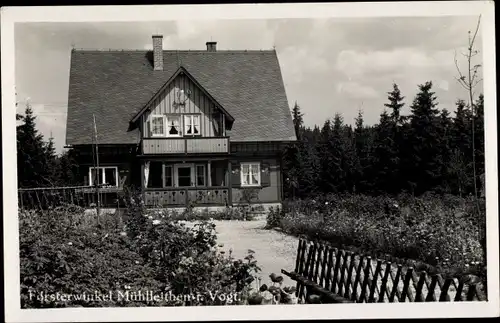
{"points": [[200, 145], [175, 197]]}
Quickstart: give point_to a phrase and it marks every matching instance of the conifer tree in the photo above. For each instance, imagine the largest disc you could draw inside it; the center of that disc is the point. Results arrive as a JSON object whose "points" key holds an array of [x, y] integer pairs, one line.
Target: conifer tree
{"points": [[31, 153], [386, 160], [424, 142]]}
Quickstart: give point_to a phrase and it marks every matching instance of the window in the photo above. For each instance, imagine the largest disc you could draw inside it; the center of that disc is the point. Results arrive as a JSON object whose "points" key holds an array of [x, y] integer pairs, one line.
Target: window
{"points": [[168, 178], [200, 175], [157, 124], [154, 179], [173, 126], [184, 176], [250, 174], [192, 125], [104, 176]]}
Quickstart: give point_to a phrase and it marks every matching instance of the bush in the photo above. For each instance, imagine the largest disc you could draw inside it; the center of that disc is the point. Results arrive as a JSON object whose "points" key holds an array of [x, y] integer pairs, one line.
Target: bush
{"points": [[66, 251]]}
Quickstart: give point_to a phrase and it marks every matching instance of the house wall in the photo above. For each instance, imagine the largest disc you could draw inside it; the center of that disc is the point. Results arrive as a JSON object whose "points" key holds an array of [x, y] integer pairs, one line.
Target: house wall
{"points": [[196, 103], [269, 194], [123, 159]]}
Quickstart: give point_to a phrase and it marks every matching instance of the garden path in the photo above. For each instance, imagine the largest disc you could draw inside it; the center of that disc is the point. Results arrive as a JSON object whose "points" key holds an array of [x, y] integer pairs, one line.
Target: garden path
{"points": [[273, 250]]}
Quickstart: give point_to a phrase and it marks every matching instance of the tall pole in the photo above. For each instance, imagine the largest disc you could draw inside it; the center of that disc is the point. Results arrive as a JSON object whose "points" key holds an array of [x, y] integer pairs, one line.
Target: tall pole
{"points": [[97, 171]]}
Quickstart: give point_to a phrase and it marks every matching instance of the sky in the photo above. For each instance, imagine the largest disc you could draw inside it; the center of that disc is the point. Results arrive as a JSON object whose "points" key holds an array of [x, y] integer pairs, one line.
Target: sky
{"points": [[329, 66]]}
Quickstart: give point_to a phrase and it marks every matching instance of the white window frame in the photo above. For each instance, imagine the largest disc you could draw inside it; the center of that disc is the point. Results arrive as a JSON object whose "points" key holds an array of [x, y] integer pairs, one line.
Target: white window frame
{"points": [[151, 117], [167, 125], [189, 120], [250, 165], [103, 175]]}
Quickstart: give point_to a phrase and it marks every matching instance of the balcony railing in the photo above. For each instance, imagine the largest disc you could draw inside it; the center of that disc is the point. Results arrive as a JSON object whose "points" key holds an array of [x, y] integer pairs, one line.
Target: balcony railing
{"points": [[153, 146], [168, 197]]}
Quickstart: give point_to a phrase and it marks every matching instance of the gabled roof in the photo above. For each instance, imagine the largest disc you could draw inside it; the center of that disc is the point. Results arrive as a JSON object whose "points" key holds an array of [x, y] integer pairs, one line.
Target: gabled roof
{"points": [[116, 85], [181, 71]]}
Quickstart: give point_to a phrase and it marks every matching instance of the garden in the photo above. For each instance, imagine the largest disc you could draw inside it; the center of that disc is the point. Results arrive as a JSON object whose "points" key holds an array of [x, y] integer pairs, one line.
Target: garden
{"points": [[69, 258], [441, 234]]}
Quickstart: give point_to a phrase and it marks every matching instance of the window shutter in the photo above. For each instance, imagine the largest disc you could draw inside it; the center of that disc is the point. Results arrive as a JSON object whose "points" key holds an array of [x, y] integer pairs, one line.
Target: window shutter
{"points": [[265, 175], [235, 175]]}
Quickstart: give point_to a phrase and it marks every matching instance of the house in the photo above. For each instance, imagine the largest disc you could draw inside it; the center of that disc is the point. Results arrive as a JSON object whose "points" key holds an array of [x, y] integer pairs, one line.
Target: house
{"points": [[202, 126]]}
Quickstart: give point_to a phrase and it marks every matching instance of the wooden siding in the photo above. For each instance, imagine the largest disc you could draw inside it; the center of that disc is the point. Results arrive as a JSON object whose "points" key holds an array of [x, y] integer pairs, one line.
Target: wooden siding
{"points": [[267, 194], [197, 103], [163, 146], [207, 145], [151, 146]]}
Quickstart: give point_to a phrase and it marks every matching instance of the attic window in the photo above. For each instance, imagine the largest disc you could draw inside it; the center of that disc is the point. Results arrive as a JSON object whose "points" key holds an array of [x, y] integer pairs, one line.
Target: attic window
{"points": [[157, 125], [173, 126], [192, 124]]}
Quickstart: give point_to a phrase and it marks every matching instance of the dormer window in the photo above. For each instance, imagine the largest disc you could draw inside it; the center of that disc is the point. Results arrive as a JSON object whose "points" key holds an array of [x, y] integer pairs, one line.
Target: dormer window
{"points": [[191, 125]]}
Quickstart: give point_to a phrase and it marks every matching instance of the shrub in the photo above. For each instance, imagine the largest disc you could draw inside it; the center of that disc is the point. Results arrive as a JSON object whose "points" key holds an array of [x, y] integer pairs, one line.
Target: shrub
{"points": [[66, 251]]}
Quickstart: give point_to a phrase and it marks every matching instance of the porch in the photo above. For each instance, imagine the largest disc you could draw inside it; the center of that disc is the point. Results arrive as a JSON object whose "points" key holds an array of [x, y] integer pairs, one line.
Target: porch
{"points": [[180, 183]]}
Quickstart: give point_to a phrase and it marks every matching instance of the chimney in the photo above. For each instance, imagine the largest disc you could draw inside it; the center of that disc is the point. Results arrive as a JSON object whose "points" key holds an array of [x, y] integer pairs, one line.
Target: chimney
{"points": [[211, 46], [158, 52]]}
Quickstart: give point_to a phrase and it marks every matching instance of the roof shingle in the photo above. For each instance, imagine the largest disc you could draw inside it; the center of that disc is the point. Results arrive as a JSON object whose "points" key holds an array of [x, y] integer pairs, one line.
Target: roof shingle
{"points": [[115, 85]]}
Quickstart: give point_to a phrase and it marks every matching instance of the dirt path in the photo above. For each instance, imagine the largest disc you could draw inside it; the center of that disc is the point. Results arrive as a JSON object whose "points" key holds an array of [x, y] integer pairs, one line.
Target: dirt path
{"points": [[273, 250]]}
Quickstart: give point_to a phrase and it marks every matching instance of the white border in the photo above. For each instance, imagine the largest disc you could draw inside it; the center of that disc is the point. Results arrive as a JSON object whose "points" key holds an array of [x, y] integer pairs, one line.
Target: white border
{"points": [[11, 15]]}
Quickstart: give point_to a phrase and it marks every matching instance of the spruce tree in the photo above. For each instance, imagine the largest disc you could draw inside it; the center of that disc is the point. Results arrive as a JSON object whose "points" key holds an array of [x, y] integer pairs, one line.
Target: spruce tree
{"points": [[424, 140], [445, 126], [31, 153], [298, 120], [395, 105], [386, 160]]}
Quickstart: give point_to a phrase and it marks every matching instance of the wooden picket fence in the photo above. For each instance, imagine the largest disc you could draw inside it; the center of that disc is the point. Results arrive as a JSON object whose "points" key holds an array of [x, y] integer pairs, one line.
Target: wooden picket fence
{"points": [[339, 276]]}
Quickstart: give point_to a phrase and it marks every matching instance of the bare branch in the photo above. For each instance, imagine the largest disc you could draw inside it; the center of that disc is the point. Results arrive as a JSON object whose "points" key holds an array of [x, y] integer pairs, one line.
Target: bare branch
{"points": [[462, 83], [462, 77], [477, 29]]}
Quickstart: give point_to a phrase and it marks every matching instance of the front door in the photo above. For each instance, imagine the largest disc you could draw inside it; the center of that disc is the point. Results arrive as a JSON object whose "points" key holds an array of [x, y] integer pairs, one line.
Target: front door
{"points": [[184, 175]]}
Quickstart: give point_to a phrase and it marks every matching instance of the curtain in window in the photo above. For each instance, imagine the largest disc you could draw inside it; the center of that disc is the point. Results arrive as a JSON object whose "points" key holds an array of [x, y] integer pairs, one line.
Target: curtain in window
{"points": [[245, 174], [173, 126], [196, 124], [216, 124], [187, 125], [157, 125], [146, 173], [255, 174], [192, 125]]}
